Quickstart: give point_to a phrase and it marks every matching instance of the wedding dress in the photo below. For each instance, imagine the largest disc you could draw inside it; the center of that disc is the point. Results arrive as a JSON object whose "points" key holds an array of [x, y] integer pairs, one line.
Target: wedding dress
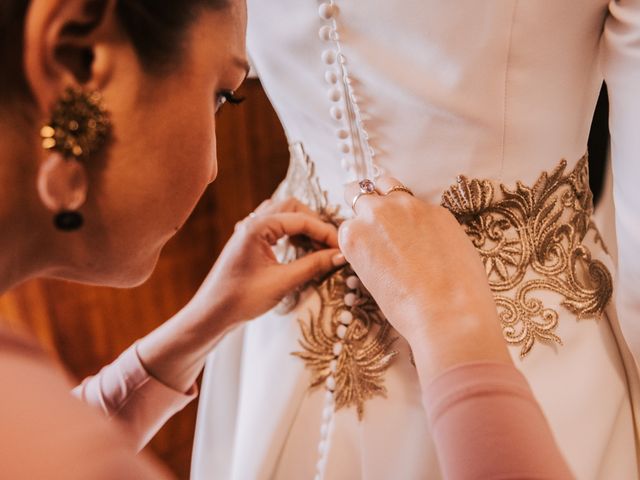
{"points": [[483, 106]]}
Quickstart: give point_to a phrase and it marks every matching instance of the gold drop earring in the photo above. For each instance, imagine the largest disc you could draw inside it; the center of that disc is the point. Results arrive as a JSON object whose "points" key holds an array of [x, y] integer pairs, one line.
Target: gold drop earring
{"points": [[78, 129]]}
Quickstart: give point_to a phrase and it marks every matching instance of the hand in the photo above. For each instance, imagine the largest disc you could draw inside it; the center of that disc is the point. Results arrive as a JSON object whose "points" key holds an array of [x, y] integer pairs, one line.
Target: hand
{"points": [[426, 276], [247, 280]]}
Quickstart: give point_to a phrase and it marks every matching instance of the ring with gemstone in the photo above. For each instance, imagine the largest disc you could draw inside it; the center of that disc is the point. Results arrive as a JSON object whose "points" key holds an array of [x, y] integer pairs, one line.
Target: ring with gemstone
{"points": [[399, 188], [367, 187]]}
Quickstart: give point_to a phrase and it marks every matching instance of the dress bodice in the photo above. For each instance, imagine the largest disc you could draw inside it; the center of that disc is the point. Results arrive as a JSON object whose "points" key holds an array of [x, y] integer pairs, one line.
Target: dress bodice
{"points": [[497, 89]]}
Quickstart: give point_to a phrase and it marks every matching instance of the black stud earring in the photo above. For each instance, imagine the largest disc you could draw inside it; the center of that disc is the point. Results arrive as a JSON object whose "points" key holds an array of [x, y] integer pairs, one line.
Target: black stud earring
{"points": [[68, 221], [79, 128]]}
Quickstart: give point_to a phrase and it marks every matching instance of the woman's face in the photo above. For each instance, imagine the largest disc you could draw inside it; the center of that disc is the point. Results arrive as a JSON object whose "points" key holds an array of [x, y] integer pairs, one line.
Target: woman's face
{"points": [[163, 150]]}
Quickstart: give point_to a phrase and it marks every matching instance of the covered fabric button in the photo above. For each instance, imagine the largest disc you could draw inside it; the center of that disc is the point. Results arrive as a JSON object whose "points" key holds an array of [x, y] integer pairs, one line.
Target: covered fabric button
{"points": [[345, 317], [329, 56], [344, 147], [333, 366], [353, 282], [331, 77], [327, 11], [336, 113], [326, 33], [331, 382], [350, 299], [335, 94]]}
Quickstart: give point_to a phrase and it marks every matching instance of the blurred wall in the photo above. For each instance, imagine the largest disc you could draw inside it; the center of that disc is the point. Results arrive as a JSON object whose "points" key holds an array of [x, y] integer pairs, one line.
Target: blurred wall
{"points": [[87, 327]]}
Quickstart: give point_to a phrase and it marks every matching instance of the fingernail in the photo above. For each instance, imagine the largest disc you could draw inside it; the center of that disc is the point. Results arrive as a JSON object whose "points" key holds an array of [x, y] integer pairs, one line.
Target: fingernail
{"points": [[338, 260]]}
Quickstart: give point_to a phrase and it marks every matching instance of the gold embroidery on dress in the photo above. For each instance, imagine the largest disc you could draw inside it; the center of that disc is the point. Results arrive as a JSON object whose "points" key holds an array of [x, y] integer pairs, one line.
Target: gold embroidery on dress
{"points": [[365, 335], [366, 353], [530, 239], [301, 182]]}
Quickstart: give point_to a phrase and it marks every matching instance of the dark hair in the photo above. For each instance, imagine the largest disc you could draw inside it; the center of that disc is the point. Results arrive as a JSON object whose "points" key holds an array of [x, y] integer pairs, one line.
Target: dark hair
{"points": [[156, 29]]}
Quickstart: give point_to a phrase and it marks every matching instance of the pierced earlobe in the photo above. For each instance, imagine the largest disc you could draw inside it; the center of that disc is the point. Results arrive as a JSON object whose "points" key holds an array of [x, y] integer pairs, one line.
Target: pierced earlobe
{"points": [[62, 187], [79, 128]]}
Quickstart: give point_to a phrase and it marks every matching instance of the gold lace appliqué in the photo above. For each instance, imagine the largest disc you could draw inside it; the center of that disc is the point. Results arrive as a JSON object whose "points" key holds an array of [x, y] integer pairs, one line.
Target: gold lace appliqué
{"points": [[366, 352], [530, 240], [367, 341]]}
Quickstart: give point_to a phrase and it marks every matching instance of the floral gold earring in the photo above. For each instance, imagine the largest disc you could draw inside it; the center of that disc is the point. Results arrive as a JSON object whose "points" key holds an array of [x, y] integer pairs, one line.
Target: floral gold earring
{"points": [[78, 129]]}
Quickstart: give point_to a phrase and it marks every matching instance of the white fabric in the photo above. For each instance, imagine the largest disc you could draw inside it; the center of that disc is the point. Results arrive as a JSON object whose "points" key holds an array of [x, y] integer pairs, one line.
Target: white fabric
{"points": [[496, 89]]}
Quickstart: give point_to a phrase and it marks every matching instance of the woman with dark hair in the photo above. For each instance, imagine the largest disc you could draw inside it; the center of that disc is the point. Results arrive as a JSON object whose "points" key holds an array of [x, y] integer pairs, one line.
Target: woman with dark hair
{"points": [[108, 113]]}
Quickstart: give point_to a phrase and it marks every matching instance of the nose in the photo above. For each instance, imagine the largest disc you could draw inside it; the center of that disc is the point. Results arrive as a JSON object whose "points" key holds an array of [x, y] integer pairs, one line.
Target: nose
{"points": [[214, 175], [214, 163]]}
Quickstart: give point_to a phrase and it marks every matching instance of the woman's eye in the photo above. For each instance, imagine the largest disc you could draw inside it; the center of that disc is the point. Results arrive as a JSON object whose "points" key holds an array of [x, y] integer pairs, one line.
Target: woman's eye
{"points": [[227, 96]]}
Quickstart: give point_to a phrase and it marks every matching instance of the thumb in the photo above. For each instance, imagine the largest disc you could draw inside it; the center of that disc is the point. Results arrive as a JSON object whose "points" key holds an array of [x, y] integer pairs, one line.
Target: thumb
{"points": [[310, 266]]}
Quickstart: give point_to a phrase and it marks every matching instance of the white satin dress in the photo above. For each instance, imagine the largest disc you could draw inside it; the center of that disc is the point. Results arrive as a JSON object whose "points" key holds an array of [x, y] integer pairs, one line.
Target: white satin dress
{"points": [[469, 103]]}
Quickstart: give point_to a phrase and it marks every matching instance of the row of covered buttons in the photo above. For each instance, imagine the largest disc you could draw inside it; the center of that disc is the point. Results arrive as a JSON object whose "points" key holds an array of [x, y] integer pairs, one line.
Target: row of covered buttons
{"points": [[345, 317], [334, 60]]}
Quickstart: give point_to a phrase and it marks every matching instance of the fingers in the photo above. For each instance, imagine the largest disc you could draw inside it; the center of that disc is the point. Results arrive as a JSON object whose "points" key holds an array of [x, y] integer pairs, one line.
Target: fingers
{"points": [[290, 204], [364, 201], [367, 202], [275, 226], [346, 237], [270, 206], [311, 266], [384, 184]]}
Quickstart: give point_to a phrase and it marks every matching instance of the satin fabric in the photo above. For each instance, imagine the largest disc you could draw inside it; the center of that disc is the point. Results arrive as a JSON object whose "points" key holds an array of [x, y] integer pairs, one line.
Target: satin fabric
{"points": [[493, 89]]}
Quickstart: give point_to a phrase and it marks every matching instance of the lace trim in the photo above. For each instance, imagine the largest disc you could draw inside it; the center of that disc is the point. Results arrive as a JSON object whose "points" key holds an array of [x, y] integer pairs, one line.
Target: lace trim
{"points": [[530, 240], [366, 353]]}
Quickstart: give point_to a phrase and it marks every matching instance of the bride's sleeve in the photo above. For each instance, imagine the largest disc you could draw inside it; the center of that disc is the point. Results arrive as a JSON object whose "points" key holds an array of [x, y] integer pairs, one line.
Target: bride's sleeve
{"points": [[621, 68]]}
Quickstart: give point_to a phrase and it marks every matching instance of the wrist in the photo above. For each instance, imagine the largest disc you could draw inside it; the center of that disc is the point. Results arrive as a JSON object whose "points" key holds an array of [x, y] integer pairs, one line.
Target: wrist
{"points": [[207, 317], [455, 339]]}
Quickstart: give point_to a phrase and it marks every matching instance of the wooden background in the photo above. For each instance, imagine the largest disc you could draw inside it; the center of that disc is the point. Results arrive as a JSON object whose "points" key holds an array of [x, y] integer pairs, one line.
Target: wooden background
{"points": [[88, 327]]}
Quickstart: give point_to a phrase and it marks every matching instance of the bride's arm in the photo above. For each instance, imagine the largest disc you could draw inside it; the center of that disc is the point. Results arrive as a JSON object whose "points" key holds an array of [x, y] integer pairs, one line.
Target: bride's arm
{"points": [[156, 377], [429, 281]]}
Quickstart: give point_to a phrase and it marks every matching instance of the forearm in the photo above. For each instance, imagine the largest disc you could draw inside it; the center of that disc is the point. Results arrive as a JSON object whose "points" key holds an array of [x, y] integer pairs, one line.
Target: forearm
{"points": [[175, 352], [479, 404], [486, 423], [440, 345]]}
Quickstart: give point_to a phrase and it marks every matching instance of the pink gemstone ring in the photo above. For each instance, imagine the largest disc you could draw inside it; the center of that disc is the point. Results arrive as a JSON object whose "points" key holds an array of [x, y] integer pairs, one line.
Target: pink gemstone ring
{"points": [[367, 187]]}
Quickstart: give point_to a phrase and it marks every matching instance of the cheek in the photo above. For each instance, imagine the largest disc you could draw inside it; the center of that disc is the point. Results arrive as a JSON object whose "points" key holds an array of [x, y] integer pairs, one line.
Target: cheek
{"points": [[159, 167], [193, 162]]}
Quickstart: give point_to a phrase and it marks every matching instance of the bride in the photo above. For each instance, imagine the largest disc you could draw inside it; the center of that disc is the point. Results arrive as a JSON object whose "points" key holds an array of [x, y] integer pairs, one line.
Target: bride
{"points": [[95, 184], [483, 107]]}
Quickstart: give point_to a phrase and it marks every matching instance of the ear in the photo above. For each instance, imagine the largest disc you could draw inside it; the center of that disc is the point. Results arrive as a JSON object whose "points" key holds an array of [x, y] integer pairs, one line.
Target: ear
{"points": [[62, 183], [64, 46]]}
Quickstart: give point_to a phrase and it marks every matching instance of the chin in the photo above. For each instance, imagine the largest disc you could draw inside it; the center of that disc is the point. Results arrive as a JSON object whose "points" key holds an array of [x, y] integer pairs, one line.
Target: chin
{"points": [[136, 274], [123, 273]]}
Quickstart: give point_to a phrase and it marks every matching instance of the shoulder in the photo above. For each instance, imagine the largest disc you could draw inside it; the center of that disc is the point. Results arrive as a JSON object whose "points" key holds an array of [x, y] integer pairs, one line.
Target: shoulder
{"points": [[45, 432]]}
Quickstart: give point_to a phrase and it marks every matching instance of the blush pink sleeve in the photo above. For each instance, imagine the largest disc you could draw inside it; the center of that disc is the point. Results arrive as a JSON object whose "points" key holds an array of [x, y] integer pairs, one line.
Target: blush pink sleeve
{"points": [[486, 423], [126, 391]]}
